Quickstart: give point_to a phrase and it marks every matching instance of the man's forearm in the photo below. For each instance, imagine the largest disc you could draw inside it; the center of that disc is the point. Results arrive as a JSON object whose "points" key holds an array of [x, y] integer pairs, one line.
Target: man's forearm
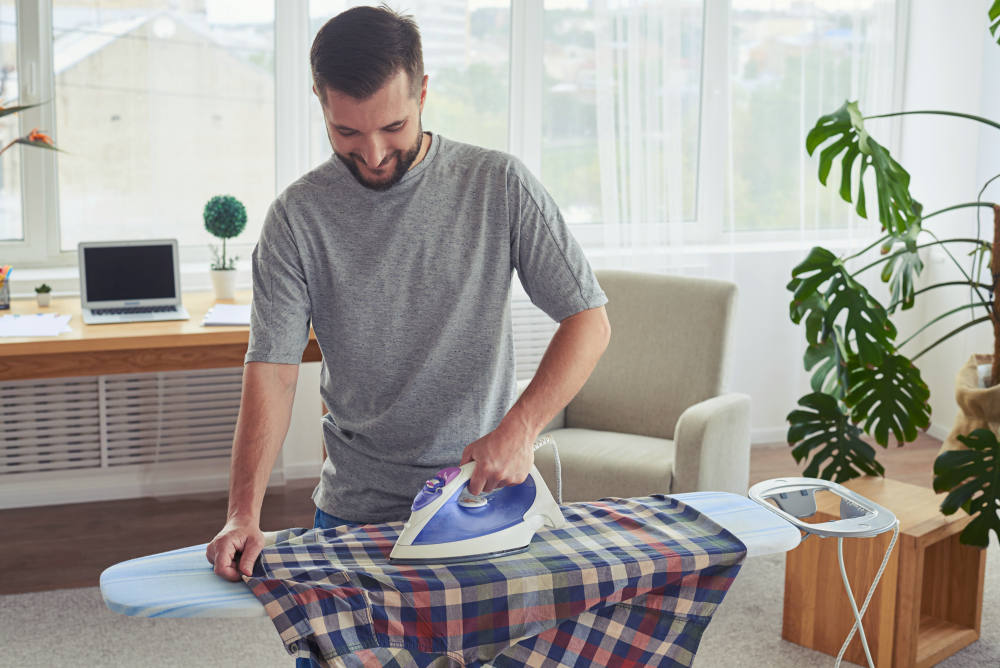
{"points": [[568, 361], [265, 413]]}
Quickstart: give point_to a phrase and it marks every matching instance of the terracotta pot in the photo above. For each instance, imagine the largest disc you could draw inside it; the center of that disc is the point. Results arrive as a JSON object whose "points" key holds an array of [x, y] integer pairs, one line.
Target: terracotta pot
{"points": [[978, 407]]}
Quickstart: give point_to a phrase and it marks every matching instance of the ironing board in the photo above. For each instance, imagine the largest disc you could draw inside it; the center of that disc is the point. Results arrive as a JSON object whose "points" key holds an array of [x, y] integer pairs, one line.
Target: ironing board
{"points": [[181, 583]]}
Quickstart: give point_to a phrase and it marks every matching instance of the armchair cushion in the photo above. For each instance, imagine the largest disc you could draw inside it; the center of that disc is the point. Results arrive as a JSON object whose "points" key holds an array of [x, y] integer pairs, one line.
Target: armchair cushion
{"points": [[597, 464], [668, 343]]}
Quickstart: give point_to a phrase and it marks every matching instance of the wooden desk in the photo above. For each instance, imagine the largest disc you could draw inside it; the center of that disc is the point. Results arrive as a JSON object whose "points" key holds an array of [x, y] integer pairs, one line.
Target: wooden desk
{"points": [[929, 602], [91, 350]]}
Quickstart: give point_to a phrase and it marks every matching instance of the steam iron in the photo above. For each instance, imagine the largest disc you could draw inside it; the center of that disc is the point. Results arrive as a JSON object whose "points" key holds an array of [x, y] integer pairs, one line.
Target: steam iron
{"points": [[449, 525]]}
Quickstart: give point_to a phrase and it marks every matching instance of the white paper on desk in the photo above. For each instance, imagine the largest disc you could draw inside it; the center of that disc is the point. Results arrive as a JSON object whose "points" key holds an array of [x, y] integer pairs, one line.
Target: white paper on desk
{"points": [[39, 324], [227, 314]]}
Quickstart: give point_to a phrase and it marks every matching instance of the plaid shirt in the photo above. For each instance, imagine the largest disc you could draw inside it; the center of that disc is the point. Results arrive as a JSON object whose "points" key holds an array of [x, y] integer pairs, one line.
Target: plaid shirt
{"points": [[627, 582]]}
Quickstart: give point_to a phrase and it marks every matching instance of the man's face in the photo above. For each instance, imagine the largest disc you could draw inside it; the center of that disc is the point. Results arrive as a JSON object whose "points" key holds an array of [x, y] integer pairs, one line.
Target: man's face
{"points": [[379, 138]]}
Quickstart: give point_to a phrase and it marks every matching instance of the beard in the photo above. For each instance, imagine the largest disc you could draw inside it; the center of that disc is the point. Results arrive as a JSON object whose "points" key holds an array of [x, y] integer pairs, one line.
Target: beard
{"points": [[403, 162]]}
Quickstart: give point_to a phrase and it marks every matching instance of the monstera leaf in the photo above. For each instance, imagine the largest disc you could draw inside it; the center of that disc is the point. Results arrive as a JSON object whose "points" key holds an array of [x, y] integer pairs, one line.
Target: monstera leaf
{"points": [[813, 309], [825, 433], [828, 358], [807, 278], [889, 398], [965, 472], [844, 132], [901, 271], [866, 324]]}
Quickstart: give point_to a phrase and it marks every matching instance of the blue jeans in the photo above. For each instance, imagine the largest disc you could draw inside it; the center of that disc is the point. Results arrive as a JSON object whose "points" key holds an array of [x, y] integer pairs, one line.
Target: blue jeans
{"points": [[327, 521], [322, 521]]}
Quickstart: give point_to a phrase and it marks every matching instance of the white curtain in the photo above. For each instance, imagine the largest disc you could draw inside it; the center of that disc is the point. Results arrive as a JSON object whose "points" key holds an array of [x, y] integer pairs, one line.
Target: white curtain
{"points": [[646, 108], [639, 121], [756, 216]]}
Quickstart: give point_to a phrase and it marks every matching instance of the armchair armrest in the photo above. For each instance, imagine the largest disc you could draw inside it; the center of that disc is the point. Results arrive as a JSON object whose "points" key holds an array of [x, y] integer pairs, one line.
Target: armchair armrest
{"points": [[712, 446], [558, 422]]}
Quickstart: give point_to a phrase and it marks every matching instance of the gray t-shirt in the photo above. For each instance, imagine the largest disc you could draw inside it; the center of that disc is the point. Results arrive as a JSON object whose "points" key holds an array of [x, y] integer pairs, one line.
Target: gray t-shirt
{"points": [[408, 292]]}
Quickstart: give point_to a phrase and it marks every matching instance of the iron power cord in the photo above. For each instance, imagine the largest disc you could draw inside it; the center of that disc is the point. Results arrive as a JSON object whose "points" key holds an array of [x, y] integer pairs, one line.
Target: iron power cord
{"points": [[542, 441], [850, 597]]}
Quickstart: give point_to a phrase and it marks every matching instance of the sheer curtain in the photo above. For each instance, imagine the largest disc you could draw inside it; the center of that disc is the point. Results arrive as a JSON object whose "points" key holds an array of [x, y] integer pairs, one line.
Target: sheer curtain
{"points": [[697, 126], [647, 106]]}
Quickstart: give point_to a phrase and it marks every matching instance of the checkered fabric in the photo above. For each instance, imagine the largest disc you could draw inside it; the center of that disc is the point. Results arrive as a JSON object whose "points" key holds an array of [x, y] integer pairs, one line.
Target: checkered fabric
{"points": [[627, 582]]}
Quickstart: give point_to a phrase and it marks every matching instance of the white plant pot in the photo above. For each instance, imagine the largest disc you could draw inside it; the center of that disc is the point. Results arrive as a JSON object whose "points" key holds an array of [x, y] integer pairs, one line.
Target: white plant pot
{"points": [[44, 298], [224, 282]]}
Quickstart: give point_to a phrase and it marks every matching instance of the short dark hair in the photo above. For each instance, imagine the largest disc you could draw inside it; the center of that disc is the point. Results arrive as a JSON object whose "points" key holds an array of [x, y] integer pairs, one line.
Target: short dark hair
{"points": [[359, 50]]}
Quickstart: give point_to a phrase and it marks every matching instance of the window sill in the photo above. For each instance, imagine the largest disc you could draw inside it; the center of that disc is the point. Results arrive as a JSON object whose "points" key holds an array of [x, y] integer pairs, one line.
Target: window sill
{"points": [[65, 281]]}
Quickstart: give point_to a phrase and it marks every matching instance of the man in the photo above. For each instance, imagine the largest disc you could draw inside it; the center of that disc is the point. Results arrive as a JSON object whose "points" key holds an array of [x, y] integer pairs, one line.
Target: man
{"points": [[400, 251]]}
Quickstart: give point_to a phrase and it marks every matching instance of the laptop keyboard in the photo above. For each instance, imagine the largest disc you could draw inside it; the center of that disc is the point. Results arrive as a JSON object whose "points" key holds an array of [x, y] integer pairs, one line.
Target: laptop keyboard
{"points": [[134, 309]]}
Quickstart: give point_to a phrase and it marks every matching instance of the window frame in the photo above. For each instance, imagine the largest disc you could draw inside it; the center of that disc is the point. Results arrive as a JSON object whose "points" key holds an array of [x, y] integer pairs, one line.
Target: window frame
{"points": [[40, 247]]}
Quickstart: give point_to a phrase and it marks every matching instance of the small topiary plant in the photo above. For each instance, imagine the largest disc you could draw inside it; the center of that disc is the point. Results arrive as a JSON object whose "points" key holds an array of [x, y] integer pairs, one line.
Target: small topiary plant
{"points": [[43, 289], [225, 217]]}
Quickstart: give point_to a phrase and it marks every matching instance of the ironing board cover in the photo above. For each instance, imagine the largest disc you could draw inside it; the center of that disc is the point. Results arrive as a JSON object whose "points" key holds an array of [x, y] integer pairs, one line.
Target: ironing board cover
{"points": [[627, 582]]}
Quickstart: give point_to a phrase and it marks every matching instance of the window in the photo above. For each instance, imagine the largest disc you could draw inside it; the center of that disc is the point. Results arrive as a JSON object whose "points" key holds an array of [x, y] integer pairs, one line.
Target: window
{"points": [[620, 109], [160, 106], [11, 225], [652, 122], [791, 65]]}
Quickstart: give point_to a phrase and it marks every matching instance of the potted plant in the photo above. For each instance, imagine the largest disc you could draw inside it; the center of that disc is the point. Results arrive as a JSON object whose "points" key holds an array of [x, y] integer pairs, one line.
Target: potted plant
{"points": [[225, 217], [43, 294], [861, 382]]}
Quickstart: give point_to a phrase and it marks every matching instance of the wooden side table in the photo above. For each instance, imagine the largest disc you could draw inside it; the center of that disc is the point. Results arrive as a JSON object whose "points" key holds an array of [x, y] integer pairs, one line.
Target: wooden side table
{"points": [[929, 602]]}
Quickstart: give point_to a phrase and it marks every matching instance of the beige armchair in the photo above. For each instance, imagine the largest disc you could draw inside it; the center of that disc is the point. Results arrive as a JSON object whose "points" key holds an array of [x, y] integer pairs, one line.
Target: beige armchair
{"points": [[652, 418]]}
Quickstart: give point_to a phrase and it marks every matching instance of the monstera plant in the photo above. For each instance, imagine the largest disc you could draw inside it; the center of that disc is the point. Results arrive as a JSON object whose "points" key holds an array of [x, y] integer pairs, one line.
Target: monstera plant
{"points": [[861, 381]]}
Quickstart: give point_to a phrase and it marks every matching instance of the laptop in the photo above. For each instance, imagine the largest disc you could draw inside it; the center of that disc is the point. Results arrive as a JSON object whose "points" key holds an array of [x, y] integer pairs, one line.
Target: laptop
{"points": [[130, 281]]}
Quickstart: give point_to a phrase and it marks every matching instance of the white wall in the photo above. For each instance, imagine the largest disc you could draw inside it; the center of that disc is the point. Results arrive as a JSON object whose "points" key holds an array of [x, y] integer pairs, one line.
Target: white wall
{"points": [[302, 453], [951, 66]]}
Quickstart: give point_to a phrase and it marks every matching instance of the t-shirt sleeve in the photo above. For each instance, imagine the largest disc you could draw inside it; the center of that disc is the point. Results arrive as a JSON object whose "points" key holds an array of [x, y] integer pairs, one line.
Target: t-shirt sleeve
{"points": [[279, 310], [549, 262]]}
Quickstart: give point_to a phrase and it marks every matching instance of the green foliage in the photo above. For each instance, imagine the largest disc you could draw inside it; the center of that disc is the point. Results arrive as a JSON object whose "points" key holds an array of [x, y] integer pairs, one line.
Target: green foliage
{"points": [[225, 217], [972, 478], [866, 322], [897, 209], [888, 398], [900, 272], [995, 20], [860, 382], [823, 431], [43, 289], [830, 361]]}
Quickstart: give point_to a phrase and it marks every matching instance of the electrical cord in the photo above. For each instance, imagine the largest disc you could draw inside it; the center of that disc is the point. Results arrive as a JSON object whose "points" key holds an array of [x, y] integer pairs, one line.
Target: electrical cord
{"points": [[850, 596], [541, 441]]}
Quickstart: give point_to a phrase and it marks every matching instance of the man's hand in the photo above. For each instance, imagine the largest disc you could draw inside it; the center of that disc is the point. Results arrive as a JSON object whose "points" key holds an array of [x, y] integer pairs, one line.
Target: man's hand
{"points": [[237, 540], [503, 457]]}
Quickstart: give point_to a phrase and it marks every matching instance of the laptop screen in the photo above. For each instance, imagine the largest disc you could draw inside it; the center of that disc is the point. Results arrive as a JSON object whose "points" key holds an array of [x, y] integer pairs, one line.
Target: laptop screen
{"points": [[129, 272]]}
